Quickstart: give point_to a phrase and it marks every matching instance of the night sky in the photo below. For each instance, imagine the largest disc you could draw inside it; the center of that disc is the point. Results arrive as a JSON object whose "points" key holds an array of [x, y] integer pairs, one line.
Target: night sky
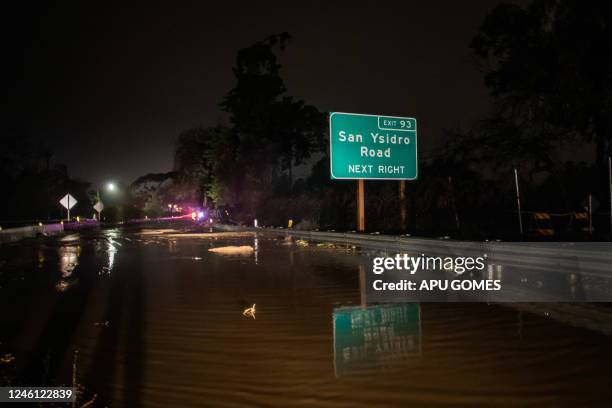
{"points": [[111, 86]]}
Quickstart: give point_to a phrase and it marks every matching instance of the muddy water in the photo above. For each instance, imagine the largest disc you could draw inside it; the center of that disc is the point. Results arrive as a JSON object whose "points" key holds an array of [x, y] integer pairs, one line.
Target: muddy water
{"points": [[156, 320]]}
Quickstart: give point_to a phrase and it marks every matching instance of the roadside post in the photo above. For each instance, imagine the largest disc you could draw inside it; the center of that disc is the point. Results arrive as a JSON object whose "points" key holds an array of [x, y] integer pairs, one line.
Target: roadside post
{"points": [[373, 147], [610, 186], [518, 202], [454, 202], [590, 214]]}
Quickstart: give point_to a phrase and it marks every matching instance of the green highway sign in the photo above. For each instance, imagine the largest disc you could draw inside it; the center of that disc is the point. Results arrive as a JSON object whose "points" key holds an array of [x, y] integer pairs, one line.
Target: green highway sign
{"points": [[375, 335], [372, 147]]}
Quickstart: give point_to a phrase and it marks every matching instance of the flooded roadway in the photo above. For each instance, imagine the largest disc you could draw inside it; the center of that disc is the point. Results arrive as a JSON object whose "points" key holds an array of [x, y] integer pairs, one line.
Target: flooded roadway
{"points": [[157, 320]]}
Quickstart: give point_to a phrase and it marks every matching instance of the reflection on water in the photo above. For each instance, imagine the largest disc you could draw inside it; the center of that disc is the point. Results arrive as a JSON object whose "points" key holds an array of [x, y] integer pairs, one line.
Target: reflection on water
{"points": [[112, 246], [256, 249], [68, 259], [172, 247], [376, 335], [40, 257], [166, 331]]}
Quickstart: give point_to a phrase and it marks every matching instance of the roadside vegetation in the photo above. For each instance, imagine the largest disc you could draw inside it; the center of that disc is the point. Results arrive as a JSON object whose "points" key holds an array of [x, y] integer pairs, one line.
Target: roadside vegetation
{"points": [[548, 69]]}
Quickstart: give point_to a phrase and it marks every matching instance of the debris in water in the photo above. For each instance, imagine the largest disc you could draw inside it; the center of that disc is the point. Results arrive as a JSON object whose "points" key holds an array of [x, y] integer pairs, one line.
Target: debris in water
{"points": [[249, 311], [8, 358], [158, 231], [64, 284], [301, 242], [233, 250], [326, 245], [211, 235]]}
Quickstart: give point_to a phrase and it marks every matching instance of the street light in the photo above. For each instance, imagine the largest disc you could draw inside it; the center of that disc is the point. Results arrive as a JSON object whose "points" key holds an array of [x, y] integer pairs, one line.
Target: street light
{"points": [[110, 186]]}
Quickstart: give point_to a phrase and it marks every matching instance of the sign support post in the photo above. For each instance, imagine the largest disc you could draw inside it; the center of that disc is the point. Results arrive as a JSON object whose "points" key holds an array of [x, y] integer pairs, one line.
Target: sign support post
{"points": [[402, 202], [452, 192], [360, 205]]}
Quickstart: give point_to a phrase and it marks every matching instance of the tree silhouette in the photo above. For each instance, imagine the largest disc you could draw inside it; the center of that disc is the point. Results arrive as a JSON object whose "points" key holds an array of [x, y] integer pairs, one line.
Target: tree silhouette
{"points": [[549, 68], [269, 133]]}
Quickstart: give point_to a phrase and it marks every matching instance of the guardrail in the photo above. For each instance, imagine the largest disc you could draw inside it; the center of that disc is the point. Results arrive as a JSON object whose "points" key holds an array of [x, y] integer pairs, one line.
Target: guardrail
{"points": [[33, 231], [590, 258], [586, 265], [19, 233]]}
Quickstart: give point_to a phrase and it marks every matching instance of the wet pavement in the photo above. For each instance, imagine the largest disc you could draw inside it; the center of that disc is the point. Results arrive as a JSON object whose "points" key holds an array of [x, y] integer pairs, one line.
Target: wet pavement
{"points": [[158, 320]]}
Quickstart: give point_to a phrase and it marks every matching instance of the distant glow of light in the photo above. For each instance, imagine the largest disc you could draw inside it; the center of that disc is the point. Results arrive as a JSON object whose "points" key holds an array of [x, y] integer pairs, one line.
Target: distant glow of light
{"points": [[200, 215], [110, 187], [193, 215]]}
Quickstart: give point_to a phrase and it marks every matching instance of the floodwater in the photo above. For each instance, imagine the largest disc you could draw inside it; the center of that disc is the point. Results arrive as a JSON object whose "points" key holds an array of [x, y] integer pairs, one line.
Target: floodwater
{"points": [[154, 319]]}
